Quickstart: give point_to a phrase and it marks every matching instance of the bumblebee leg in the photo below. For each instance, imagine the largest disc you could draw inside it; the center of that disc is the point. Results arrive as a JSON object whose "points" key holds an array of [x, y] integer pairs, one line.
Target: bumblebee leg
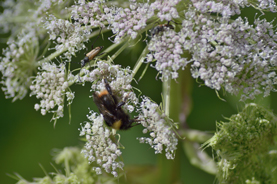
{"points": [[108, 87], [135, 119], [120, 104], [130, 124]]}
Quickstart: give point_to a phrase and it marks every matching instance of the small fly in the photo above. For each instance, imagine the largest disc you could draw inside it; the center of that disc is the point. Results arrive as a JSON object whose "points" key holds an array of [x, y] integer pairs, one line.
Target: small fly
{"points": [[160, 28]]}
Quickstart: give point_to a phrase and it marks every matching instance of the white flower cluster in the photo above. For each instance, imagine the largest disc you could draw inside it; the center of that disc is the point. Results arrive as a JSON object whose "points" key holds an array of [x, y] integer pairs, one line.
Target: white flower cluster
{"points": [[89, 14], [53, 5], [266, 5], [228, 8], [69, 37], [167, 50], [13, 9], [50, 85], [221, 53], [128, 20], [166, 9], [20, 58], [15, 17], [123, 20], [18, 64], [159, 127], [99, 149]]}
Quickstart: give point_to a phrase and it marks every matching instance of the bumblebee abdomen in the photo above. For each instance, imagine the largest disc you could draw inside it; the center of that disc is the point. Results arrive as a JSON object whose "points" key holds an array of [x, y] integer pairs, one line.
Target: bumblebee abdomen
{"points": [[117, 124]]}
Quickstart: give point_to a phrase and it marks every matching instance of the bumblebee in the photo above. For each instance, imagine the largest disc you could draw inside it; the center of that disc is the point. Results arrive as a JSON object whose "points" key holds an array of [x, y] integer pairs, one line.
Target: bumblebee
{"points": [[111, 110]]}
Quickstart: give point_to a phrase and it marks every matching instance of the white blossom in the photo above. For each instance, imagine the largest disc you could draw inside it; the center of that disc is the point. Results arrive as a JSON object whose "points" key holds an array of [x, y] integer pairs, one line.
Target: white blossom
{"points": [[160, 128], [99, 149], [50, 86]]}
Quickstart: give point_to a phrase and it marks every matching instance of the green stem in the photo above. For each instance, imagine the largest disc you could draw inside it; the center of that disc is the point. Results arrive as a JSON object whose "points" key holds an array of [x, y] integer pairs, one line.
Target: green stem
{"points": [[140, 61], [195, 135], [67, 167], [50, 57], [166, 96], [198, 157], [119, 50], [190, 144], [170, 169], [144, 52]]}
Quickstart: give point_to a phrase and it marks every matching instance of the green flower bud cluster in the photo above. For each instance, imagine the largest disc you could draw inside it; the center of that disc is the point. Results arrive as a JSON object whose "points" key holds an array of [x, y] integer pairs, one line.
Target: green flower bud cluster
{"points": [[243, 146]]}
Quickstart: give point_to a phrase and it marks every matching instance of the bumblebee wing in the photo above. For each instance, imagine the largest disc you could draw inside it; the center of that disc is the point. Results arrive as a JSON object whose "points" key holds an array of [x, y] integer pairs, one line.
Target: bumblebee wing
{"points": [[100, 105], [106, 100]]}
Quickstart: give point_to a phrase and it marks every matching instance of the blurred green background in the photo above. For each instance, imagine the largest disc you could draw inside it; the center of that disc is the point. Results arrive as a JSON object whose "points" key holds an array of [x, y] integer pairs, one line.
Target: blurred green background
{"points": [[28, 138]]}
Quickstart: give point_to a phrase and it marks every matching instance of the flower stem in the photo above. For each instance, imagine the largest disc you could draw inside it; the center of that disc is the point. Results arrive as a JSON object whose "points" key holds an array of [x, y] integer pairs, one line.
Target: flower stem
{"points": [[169, 169], [195, 135], [166, 95], [119, 50], [140, 61]]}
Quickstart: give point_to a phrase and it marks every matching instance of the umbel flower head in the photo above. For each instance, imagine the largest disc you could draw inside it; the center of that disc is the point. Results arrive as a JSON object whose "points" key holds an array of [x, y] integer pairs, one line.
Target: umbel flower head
{"points": [[19, 64], [160, 128], [243, 146], [100, 148], [27, 43], [51, 86]]}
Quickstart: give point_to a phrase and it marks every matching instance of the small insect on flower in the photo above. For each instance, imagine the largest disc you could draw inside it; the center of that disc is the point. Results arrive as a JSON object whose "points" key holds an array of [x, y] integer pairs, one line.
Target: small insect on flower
{"points": [[92, 54], [160, 28], [111, 110]]}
